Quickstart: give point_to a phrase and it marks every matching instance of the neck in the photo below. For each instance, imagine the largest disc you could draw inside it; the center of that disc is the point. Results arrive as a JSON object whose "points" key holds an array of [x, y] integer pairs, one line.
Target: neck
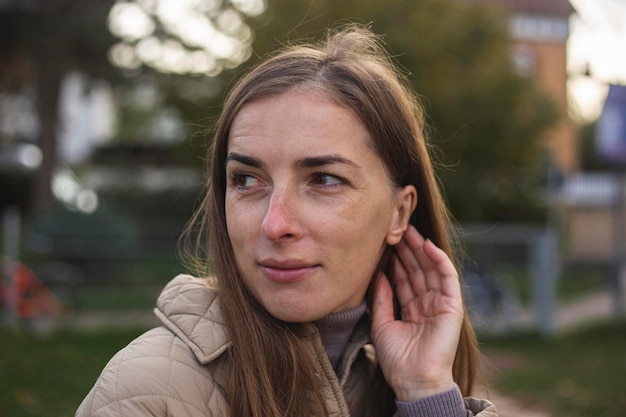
{"points": [[336, 329]]}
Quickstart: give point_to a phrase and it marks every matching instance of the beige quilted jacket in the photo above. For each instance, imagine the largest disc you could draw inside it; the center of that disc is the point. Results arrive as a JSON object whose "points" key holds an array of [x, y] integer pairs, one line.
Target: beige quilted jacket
{"points": [[178, 370]]}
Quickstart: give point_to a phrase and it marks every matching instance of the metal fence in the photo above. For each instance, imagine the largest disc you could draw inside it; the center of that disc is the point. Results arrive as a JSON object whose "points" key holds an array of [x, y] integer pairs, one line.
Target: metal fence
{"points": [[121, 262], [108, 262], [498, 302]]}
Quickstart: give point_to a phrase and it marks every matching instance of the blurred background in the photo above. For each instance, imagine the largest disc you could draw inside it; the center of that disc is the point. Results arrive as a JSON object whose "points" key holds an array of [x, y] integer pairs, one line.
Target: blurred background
{"points": [[105, 115]]}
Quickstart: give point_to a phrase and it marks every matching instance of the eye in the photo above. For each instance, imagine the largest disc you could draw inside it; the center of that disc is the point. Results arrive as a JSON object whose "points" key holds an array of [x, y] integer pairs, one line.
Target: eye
{"points": [[242, 180], [326, 180]]}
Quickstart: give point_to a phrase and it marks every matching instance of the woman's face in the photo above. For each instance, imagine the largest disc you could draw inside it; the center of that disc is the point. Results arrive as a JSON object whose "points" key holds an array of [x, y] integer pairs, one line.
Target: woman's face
{"points": [[309, 206]]}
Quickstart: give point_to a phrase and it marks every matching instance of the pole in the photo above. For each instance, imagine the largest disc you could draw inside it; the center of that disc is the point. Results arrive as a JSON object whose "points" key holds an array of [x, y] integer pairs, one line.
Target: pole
{"points": [[545, 272], [617, 283]]}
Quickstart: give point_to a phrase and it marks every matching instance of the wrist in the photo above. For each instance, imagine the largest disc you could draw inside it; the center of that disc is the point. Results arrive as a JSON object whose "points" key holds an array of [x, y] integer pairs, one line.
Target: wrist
{"points": [[445, 404], [410, 391]]}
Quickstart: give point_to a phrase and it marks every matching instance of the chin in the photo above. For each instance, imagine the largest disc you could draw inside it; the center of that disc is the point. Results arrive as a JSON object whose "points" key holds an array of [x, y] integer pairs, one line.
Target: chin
{"points": [[294, 313]]}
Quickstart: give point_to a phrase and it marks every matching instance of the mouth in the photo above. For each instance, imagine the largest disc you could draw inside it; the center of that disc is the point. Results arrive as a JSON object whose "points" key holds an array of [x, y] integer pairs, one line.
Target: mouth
{"points": [[286, 271]]}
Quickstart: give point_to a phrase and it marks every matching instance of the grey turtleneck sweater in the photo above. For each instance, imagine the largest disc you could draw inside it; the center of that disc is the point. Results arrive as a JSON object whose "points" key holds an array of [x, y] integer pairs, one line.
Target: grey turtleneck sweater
{"points": [[335, 331]]}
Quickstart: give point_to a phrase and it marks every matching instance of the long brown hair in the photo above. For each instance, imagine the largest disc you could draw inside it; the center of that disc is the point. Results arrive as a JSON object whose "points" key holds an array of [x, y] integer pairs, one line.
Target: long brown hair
{"points": [[272, 375]]}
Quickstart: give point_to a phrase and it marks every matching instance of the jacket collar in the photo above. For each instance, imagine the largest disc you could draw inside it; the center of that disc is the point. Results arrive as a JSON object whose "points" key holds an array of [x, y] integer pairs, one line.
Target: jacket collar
{"points": [[189, 307]]}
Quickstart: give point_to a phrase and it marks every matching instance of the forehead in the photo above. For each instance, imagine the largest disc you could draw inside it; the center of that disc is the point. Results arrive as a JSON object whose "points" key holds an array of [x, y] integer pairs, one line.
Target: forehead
{"points": [[306, 118]]}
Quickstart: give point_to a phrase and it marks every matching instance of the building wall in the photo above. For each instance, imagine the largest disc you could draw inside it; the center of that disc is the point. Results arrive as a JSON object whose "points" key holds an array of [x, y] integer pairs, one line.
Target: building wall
{"points": [[590, 234], [540, 45], [550, 74], [540, 29]]}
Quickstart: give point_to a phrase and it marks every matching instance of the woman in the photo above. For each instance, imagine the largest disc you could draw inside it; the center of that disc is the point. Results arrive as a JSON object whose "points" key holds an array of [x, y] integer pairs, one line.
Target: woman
{"points": [[333, 290]]}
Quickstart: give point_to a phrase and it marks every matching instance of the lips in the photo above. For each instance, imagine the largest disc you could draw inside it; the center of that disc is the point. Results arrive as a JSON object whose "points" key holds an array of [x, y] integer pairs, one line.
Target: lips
{"points": [[285, 271]]}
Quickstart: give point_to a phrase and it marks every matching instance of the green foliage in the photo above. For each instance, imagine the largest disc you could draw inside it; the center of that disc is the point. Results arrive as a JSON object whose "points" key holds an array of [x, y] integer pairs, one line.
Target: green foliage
{"points": [[67, 34], [486, 122], [40, 43]]}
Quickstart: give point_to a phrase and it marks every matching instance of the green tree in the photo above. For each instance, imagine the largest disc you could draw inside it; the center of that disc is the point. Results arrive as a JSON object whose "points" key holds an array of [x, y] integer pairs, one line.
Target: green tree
{"points": [[43, 40], [40, 42], [487, 122]]}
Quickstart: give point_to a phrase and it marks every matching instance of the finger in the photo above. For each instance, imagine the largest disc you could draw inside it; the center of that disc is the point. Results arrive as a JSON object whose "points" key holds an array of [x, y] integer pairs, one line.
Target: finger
{"points": [[382, 303], [449, 277], [407, 257], [405, 291], [422, 269]]}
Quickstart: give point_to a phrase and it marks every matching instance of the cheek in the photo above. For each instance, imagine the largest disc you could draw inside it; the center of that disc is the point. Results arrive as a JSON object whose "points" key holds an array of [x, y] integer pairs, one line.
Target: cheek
{"points": [[362, 227], [236, 226], [237, 213], [369, 215]]}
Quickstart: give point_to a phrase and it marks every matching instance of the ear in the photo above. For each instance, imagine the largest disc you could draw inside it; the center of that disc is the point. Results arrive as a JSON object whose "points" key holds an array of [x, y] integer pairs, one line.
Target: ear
{"points": [[406, 201]]}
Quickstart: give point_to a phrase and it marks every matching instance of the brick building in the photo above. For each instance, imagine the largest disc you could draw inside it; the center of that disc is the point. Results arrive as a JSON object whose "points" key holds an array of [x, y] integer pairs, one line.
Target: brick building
{"points": [[540, 29]]}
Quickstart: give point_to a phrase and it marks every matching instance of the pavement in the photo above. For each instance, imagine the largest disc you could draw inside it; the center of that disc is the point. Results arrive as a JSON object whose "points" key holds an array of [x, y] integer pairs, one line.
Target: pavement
{"points": [[592, 307]]}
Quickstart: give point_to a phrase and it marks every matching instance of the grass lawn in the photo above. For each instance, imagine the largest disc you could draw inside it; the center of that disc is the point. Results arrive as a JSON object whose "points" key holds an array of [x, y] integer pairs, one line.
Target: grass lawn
{"points": [[50, 375], [578, 374]]}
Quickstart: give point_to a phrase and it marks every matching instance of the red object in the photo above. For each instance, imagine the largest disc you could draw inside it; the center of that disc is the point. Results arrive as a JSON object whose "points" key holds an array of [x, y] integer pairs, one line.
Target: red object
{"points": [[27, 296]]}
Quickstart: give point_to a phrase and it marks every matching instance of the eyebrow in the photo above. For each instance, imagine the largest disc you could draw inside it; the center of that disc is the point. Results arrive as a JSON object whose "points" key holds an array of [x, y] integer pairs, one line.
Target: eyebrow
{"points": [[246, 160], [308, 162], [318, 161]]}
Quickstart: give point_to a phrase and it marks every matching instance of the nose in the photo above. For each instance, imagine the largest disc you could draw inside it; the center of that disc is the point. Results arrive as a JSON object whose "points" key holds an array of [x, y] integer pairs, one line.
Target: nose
{"points": [[281, 219]]}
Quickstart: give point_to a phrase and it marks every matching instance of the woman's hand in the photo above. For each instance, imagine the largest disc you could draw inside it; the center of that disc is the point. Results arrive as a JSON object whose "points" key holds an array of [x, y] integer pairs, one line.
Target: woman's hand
{"points": [[416, 353]]}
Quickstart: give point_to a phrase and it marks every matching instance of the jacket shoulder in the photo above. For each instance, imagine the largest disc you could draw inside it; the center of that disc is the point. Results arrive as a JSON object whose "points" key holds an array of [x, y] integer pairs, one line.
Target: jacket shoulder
{"points": [[155, 375], [190, 308]]}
